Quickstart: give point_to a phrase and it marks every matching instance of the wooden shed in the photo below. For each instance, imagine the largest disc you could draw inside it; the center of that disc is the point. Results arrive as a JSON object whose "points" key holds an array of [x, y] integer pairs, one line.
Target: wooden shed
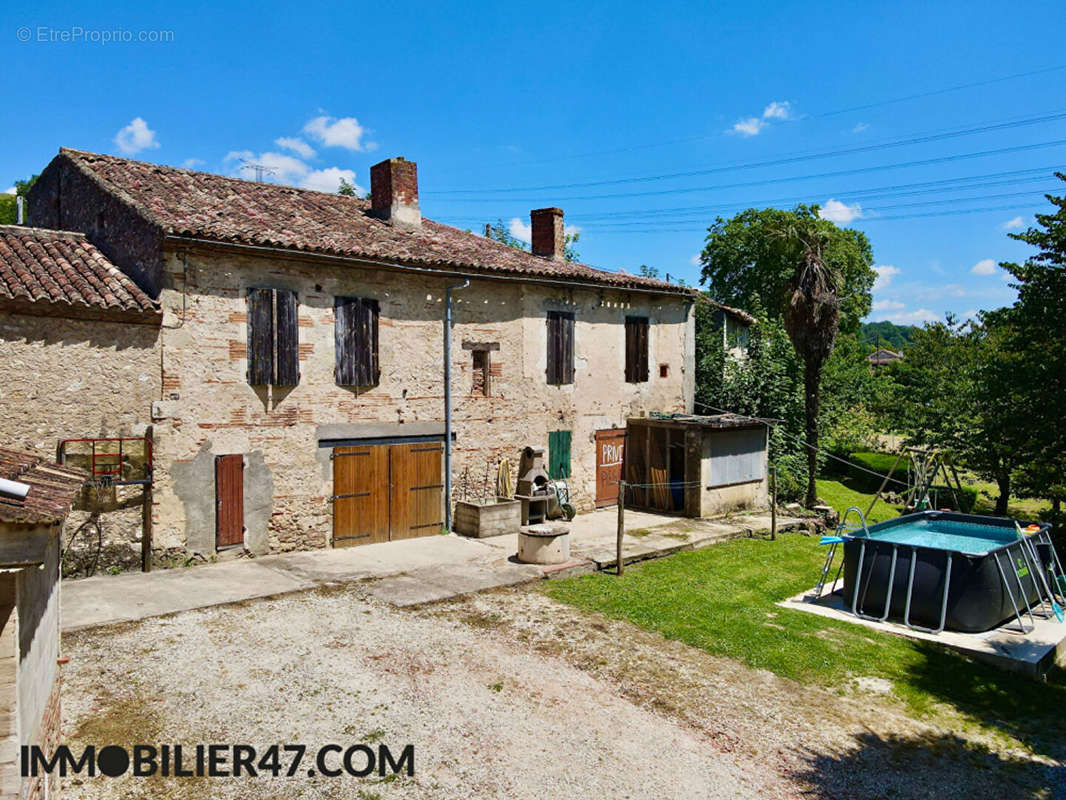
{"points": [[698, 466]]}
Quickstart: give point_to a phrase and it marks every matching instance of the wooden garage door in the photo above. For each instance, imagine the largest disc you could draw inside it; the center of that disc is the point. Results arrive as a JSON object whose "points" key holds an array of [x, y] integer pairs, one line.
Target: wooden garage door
{"points": [[360, 495], [229, 501], [610, 448], [385, 492], [415, 507]]}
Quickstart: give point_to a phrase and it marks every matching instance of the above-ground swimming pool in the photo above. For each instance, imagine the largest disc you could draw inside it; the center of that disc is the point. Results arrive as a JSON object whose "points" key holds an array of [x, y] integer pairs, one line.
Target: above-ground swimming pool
{"points": [[938, 570]]}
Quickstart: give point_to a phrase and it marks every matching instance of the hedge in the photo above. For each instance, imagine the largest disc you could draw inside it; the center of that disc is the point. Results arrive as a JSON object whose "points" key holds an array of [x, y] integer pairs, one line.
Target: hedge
{"points": [[881, 463]]}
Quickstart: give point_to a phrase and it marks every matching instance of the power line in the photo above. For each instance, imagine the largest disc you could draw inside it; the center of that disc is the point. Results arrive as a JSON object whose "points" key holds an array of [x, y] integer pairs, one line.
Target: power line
{"points": [[920, 139], [822, 115], [794, 178], [937, 187]]}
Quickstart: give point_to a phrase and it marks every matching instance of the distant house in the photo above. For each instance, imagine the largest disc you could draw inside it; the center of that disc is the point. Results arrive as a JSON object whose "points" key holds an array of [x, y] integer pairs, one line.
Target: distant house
{"points": [[735, 326], [882, 356]]}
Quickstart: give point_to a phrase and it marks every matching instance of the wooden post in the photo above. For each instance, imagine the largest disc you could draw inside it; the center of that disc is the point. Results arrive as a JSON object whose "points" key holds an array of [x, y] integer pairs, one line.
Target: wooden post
{"points": [[773, 502], [621, 522], [146, 528]]}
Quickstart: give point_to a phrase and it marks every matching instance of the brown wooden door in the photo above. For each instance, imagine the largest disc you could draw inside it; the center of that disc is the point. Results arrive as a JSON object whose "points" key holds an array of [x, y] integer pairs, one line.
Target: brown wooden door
{"points": [[360, 495], [229, 501], [610, 451], [416, 506]]}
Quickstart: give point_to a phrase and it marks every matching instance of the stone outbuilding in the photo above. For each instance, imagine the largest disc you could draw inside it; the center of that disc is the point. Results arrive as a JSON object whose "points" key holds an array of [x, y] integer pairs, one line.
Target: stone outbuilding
{"points": [[35, 497], [290, 359]]}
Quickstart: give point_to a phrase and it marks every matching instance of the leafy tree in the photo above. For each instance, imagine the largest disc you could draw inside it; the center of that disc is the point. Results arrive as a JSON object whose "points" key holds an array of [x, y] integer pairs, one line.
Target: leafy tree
{"points": [[648, 272], [744, 259], [1032, 360], [955, 394], [8, 202], [347, 189], [886, 334], [498, 231]]}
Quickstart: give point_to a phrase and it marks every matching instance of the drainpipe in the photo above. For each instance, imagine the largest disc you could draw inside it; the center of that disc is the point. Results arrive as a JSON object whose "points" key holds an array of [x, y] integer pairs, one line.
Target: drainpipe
{"points": [[448, 400]]}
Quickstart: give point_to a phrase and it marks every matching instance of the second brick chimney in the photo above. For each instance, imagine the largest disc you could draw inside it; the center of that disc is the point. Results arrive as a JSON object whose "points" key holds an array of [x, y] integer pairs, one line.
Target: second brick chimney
{"points": [[548, 239], [394, 192]]}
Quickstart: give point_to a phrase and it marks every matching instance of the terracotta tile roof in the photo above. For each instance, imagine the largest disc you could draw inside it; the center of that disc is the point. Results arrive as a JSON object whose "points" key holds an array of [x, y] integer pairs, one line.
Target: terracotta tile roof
{"points": [[52, 488], [199, 204], [45, 266]]}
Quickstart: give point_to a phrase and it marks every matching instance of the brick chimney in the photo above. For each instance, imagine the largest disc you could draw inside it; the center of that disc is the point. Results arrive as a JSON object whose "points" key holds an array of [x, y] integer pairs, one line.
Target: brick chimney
{"points": [[394, 192], [548, 241]]}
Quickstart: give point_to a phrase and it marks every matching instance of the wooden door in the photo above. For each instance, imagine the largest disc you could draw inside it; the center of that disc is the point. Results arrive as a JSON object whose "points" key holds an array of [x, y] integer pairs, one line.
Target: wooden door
{"points": [[229, 501], [360, 495], [610, 451], [416, 495]]}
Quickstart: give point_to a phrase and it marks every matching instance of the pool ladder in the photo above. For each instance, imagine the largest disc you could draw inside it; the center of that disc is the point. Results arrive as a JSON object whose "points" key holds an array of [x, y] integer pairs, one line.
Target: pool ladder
{"points": [[1050, 590]]}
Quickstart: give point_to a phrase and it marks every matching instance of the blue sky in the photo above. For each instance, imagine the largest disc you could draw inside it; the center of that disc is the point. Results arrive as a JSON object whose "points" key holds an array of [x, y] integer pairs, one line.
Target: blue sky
{"points": [[497, 101]]}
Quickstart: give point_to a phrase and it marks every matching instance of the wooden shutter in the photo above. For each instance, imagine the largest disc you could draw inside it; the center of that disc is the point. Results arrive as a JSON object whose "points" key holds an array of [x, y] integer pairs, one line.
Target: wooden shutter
{"points": [[287, 332], [260, 337], [636, 349], [356, 336], [559, 454], [560, 347]]}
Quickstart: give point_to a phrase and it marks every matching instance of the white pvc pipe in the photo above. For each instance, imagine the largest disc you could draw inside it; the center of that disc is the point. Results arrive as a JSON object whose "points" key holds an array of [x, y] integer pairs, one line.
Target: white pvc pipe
{"points": [[14, 489]]}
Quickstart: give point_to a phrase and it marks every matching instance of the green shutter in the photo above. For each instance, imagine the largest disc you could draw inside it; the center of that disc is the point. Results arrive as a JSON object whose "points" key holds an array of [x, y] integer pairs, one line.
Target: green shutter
{"points": [[559, 454]]}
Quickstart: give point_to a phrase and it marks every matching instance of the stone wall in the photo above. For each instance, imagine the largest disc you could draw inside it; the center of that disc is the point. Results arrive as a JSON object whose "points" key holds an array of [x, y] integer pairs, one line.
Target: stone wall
{"points": [[209, 409]]}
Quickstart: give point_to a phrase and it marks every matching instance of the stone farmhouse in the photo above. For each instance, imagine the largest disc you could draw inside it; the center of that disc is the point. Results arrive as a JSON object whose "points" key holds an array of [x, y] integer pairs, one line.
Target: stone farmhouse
{"points": [[283, 349]]}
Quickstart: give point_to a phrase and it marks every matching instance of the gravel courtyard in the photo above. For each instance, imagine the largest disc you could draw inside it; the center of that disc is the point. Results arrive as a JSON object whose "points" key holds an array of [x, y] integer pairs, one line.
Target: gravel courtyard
{"points": [[503, 694]]}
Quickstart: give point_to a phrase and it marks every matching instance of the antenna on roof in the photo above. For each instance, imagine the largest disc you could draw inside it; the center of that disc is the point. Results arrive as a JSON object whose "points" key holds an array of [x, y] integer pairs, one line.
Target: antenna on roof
{"points": [[261, 170]]}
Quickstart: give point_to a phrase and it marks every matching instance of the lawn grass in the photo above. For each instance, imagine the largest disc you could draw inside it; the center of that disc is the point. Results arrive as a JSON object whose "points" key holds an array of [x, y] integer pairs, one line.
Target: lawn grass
{"points": [[722, 600], [840, 497]]}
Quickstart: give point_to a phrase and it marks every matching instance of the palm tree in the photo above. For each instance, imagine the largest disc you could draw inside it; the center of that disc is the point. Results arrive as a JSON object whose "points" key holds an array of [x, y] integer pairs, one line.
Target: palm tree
{"points": [[812, 315]]}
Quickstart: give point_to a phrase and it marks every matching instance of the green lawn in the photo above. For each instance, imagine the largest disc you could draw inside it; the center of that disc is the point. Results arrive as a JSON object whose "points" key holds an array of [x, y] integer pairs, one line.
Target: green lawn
{"points": [[840, 497], [722, 600]]}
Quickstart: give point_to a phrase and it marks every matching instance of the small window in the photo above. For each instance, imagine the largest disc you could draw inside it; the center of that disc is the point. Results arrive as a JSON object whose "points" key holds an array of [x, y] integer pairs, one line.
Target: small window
{"points": [[273, 338], [560, 348], [664, 370], [482, 380], [355, 331], [636, 349]]}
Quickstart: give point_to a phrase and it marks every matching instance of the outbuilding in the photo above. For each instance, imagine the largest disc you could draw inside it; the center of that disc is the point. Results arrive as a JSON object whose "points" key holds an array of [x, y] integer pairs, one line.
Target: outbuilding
{"points": [[35, 497], [699, 466]]}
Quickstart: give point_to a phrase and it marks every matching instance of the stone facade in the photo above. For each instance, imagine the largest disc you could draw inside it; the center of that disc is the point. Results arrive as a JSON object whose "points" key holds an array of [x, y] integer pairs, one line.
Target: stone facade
{"points": [[209, 409]]}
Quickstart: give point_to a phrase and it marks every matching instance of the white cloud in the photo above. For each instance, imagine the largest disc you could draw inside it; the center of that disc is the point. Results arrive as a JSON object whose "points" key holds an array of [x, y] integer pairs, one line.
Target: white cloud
{"points": [[971, 314], [135, 137], [344, 132], [278, 167], [901, 317], [777, 110], [748, 127], [840, 213], [985, 266], [12, 190], [296, 145], [859, 127], [329, 180], [1012, 224], [192, 163], [521, 230], [695, 260], [888, 305], [885, 274]]}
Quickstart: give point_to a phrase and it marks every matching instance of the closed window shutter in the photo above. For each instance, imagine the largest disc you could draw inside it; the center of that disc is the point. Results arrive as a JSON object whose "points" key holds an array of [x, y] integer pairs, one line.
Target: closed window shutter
{"points": [[558, 454], [636, 349], [356, 337], [560, 347], [286, 325], [260, 337]]}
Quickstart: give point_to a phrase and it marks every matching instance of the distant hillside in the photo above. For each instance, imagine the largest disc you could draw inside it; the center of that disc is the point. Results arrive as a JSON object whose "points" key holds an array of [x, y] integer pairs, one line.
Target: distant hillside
{"points": [[888, 333]]}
